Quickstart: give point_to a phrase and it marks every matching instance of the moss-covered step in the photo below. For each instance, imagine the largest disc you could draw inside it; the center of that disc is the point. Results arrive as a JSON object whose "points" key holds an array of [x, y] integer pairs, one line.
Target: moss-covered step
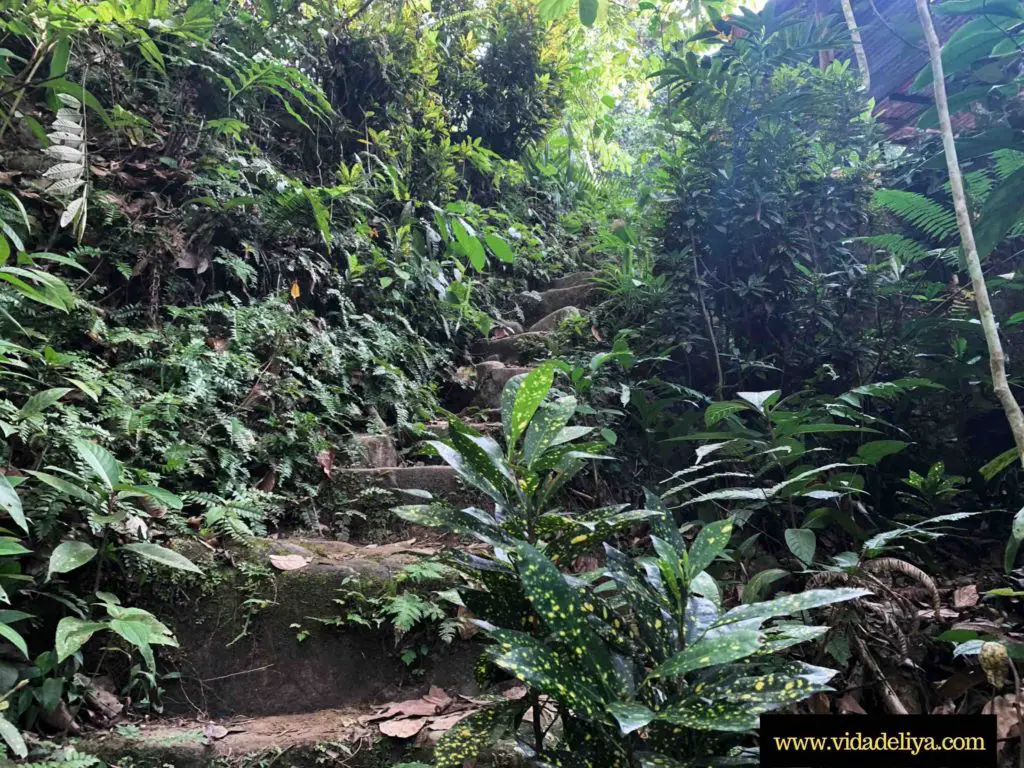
{"points": [[321, 739], [519, 348], [441, 482], [536, 306], [266, 641], [491, 377]]}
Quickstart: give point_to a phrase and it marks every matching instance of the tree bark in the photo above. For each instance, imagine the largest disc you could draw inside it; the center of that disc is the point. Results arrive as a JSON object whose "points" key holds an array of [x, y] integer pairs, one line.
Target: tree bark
{"points": [[858, 45], [997, 360]]}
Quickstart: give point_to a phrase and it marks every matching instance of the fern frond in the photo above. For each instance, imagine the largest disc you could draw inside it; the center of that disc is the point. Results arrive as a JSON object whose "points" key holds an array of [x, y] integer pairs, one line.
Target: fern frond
{"points": [[905, 249], [932, 218]]}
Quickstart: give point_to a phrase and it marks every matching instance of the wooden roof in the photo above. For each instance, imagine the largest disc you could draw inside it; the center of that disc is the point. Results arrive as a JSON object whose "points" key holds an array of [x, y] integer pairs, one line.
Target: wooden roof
{"points": [[895, 50]]}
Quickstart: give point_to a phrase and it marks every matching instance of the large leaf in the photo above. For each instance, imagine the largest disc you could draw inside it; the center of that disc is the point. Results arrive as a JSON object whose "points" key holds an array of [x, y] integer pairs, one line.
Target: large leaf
{"points": [[802, 543], [469, 521], [11, 504], [711, 651], [500, 248], [545, 426], [9, 546], [12, 737], [473, 734], [562, 612], [700, 715], [40, 401], [710, 542], [554, 9], [103, 464], [1002, 210], [62, 485], [519, 401], [160, 495], [473, 466], [162, 555], [970, 44], [72, 634], [471, 245], [11, 635], [631, 716], [789, 604], [70, 555]]}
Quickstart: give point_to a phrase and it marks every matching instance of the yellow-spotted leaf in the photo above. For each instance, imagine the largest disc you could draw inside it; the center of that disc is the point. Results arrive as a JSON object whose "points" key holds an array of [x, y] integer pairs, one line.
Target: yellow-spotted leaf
{"points": [[521, 397], [711, 651], [709, 544], [789, 604], [545, 426]]}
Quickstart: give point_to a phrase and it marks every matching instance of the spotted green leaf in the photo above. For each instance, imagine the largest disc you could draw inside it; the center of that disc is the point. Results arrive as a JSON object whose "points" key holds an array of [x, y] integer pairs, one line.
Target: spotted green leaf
{"points": [[521, 397], [472, 466], [545, 426], [630, 716], [485, 456], [563, 613], [469, 521], [663, 524], [700, 715], [546, 670], [710, 651], [710, 542], [789, 604], [700, 614], [794, 682], [578, 536], [472, 734], [780, 637]]}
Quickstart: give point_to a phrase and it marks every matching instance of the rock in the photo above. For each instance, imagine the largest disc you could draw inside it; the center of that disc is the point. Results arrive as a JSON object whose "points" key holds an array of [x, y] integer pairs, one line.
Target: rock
{"points": [[557, 298], [491, 379], [574, 279], [555, 319], [376, 451], [509, 349]]}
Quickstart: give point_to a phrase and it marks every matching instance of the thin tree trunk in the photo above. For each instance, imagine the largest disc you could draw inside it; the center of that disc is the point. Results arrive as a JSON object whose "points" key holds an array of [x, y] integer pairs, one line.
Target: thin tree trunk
{"points": [[858, 45], [997, 360]]}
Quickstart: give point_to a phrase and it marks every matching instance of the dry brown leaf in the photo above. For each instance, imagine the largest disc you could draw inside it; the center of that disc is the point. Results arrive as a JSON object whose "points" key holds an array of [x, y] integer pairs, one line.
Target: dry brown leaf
{"points": [[850, 706], [439, 698], [1006, 716], [965, 597], [515, 693], [819, 704], [289, 562], [412, 708], [959, 683], [448, 721], [402, 729], [268, 481], [326, 461]]}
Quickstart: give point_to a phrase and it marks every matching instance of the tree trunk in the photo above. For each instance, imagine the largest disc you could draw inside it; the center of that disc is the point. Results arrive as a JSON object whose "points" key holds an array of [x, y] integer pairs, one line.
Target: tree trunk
{"points": [[997, 360], [858, 45]]}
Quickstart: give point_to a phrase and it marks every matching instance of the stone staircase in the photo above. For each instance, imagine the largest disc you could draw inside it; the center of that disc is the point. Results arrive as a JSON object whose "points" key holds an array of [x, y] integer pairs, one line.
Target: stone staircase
{"points": [[260, 672]]}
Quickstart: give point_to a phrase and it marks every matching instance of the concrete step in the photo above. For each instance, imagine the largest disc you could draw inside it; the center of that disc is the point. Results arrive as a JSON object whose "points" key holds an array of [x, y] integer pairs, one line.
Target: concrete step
{"points": [[551, 322], [546, 302], [576, 278], [491, 378], [326, 737], [519, 348], [240, 653]]}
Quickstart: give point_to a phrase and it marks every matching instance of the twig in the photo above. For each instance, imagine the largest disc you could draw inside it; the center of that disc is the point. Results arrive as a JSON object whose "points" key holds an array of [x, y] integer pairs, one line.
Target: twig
{"points": [[889, 698], [236, 674]]}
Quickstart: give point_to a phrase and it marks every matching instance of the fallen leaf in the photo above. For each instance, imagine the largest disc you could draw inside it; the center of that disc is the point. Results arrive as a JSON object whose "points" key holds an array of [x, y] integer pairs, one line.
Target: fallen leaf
{"points": [[402, 729], [295, 289], [268, 481], [945, 708], [515, 693], [965, 597], [595, 333], [439, 698], [819, 704], [850, 706], [959, 683], [1006, 716], [289, 562], [412, 708], [215, 731], [447, 722], [326, 461]]}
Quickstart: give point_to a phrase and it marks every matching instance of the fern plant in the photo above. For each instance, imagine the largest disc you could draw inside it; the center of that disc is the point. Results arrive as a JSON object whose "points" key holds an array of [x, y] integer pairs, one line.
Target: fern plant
{"points": [[69, 175]]}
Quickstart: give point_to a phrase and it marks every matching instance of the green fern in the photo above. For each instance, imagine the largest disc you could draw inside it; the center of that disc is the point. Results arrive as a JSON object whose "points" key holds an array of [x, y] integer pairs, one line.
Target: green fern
{"points": [[930, 217]]}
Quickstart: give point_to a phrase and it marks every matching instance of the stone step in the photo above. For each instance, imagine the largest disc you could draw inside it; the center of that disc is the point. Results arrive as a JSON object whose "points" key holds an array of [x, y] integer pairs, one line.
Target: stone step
{"points": [[553, 299], [491, 378], [240, 653], [375, 451], [441, 481], [519, 348], [576, 278], [551, 322], [326, 737], [439, 429]]}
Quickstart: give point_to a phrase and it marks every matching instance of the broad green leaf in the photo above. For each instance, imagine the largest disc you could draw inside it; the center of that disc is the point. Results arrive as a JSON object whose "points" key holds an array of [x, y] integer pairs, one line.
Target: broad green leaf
{"points": [[789, 604], [711, 651], [704, 584], [554, 9], [588, 11], [715, 412], [484, 453], [523, 400], [700, 715], [546, 670], [709, 544], [474, 467], [999, 463], [72, 634], [469, 521], [162, 555], [1001, 211], [876, 450], [500, 248], [103, 464], [631, 716], [802, 543], [781, 637], [663, 524], [9, 547], [12, 636], [969, 44], [1011, 8], [471, 245], [561, 609], [545, 426], [759, 583], [11, 503], [64, 486], [161, 495], [68, 556], [12, 737], [775, 689], [40, 401], [760, 400]]}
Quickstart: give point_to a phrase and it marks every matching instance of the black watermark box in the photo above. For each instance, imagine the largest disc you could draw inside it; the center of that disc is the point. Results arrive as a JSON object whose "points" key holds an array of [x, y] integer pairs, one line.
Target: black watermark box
{"points": [[878, 741]]}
